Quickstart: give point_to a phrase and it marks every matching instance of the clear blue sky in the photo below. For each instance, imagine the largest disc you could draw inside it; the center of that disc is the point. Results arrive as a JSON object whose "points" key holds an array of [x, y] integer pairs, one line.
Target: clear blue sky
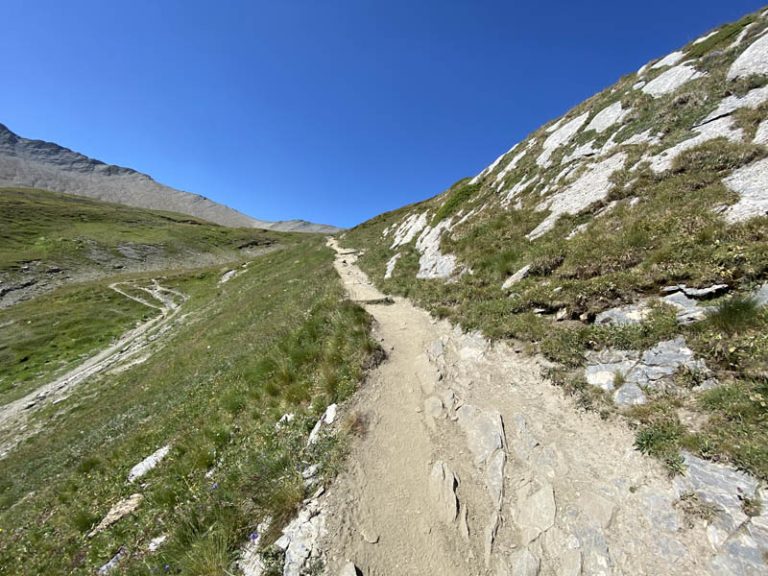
{"points": [[328, 110]]}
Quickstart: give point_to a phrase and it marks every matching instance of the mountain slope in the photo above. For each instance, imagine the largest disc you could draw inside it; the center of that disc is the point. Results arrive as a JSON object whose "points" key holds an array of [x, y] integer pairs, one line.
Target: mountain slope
{"points": [[48, 166], [48, 239], [632, 228]]}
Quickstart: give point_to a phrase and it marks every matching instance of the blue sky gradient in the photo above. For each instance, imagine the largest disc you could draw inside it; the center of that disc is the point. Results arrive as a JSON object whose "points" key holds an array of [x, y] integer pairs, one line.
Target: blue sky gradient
{"points": [[332, 111]]}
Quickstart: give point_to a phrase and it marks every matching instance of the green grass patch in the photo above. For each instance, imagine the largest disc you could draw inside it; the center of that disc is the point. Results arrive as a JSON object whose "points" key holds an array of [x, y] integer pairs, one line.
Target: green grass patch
{"points": [[263, 344]]}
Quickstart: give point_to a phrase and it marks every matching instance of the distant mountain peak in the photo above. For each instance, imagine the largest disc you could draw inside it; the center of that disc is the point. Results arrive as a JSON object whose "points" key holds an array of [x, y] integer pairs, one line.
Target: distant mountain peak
{"points": [[49, 166]]}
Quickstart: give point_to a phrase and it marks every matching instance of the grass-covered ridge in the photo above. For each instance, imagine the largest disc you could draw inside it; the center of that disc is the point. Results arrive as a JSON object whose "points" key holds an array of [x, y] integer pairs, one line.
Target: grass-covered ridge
{"points": [[50, 237], [648, 229], [265, 343]]}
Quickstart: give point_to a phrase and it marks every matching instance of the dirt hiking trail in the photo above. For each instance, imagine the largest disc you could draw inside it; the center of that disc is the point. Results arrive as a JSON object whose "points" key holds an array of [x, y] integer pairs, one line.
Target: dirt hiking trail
{"points": [[473, 464]]}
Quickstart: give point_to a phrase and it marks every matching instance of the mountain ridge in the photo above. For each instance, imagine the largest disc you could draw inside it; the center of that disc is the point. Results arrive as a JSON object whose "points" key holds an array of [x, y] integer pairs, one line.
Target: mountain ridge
{"points": [[47, 165]]}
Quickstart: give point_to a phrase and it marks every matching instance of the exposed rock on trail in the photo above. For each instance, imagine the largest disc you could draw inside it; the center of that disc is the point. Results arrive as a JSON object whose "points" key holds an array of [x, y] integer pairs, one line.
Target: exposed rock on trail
{"points": [[473, 464]]}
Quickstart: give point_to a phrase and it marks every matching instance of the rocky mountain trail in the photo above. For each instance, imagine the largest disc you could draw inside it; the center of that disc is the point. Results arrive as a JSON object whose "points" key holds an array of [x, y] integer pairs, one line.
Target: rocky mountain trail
{"points": [[472, 463], [131, 348]]}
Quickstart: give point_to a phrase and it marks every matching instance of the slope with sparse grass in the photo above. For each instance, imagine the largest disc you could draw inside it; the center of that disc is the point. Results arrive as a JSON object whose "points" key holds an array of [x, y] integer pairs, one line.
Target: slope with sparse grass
{"points": [[243, 353], [606, 216]]}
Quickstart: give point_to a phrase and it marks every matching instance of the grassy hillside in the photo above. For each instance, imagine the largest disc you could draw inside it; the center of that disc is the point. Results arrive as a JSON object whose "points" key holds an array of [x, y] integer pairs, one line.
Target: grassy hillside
{"points": [[49, 239], [590, 242], [264, 344], [237, 356]]}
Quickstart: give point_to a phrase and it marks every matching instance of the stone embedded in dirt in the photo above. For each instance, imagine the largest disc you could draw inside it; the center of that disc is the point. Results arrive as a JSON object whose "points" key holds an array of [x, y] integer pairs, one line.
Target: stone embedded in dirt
{"points": [[604, 366], [118, 511], [525, 563], [671, 80], [227, 276], [535, 510], [155, 543], [722, 487], [653, 369], [750, 183], [516, 277], [113, 563], [689, 311], [463, 524], [490, 537], [442, 487], [624, 315], [597, 507], [300, 537], [148, 463], [328, 417], [433, 410], [251, 563], [698, 293], [754, 60], [349, 569], [484, 431]]}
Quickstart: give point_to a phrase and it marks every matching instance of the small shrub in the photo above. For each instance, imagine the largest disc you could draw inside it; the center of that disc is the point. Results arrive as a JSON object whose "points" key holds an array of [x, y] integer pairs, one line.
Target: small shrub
{"points": [[456, 197], [735, 314]]}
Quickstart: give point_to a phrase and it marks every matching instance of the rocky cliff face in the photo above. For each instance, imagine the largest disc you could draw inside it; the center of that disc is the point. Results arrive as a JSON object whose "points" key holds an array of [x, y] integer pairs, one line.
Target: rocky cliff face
{"points": [[48, 166]]}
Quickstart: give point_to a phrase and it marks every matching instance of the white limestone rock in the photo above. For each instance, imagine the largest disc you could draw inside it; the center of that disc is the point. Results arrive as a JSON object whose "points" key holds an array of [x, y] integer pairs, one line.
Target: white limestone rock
{"points": [[751, 184], [433, 263], [559, 137], [490, 168], [671, 80], [521, 186], [607, 117], [645, 137], [583, 151], [591, 186], [408, 229], [740, 38], [720, 128], [754, 60], [729, 105], [516, 277], [328, 418], [511, 165], [704, 38], [669, 60], [148, 463], [761, 136], [391, 265]]}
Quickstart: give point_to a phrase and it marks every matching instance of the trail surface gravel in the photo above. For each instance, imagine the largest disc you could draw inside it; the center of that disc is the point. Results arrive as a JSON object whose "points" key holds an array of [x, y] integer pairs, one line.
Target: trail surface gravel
{"points": [[473, 464]]}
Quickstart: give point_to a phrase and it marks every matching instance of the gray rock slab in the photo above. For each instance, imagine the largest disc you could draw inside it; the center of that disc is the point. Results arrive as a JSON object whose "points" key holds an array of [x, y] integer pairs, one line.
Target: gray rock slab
{"points": [[536, 510], [525, 563], [442, 487], [484, 431], [349, 569], [722, 487], [516, 277], [624, 315]]}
